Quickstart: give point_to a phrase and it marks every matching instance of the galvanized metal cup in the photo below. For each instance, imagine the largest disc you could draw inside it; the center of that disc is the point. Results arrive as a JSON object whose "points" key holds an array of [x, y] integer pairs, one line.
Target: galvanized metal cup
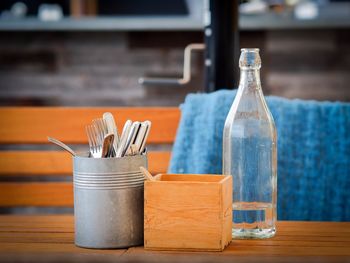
{"points": [[108, 201]]}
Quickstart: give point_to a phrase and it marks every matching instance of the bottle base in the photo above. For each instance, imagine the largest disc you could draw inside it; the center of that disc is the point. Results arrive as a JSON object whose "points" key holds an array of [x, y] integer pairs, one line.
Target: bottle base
{"points": [[253, 233]]}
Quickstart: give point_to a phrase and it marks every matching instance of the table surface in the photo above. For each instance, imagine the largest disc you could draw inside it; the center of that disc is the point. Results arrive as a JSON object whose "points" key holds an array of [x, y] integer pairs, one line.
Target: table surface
{"points": [[50, 238]]}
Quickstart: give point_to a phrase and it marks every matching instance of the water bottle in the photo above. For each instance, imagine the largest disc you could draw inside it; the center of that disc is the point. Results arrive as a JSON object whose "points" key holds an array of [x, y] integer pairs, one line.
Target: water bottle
{"points": [[250, 154]]}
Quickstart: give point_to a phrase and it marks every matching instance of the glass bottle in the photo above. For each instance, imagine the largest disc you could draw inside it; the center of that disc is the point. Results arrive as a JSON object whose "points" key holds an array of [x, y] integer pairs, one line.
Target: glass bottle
{"points": [[250, 154]]}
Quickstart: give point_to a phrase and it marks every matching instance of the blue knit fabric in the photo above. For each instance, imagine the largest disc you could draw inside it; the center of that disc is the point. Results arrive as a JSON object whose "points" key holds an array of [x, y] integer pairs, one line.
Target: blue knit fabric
{"points": [[313, 151]]}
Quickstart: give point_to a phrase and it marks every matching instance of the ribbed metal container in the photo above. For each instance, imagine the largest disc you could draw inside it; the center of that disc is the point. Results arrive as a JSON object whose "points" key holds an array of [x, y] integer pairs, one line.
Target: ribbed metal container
{"points": [[108, 201]]}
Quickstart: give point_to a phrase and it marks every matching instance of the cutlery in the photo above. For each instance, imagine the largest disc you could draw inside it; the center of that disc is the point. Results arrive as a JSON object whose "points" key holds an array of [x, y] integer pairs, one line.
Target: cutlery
{"points": [[100, 142], [143, 144], [133, 149], [123, 138], [101, 130], [62, 145], [132, 135], [94, 145], [112, 128], [131, 142], [107, 146], [140, 136]]}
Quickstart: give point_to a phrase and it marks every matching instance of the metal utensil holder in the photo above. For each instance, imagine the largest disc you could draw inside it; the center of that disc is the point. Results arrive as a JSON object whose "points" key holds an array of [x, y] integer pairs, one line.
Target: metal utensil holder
{"points": [[108, 201]]}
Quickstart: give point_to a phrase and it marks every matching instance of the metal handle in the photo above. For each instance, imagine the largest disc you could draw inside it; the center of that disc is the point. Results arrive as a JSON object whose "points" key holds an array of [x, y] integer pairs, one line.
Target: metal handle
{"points": [[186, 70]]}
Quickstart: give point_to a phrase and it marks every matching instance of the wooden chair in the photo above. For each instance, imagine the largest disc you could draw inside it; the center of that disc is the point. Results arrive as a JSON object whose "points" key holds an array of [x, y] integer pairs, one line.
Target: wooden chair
{"points": [[21, 128]]}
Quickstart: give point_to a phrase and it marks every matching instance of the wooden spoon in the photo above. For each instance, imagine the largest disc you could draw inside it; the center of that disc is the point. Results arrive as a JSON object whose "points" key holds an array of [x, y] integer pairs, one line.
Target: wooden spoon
{"points": [[147, 174]]}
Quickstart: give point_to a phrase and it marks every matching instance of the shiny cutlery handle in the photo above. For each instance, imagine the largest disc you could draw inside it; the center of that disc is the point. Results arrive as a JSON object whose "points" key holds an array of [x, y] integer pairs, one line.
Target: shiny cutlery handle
{"points": [[140, 136], [112, 128], [123, 138], [62, 145], [107, 145], [132, 136], [143, 144]]}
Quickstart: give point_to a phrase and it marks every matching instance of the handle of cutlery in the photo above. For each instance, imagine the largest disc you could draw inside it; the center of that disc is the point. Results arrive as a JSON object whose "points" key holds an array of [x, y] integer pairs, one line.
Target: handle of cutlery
{"points": [[112, 128]]}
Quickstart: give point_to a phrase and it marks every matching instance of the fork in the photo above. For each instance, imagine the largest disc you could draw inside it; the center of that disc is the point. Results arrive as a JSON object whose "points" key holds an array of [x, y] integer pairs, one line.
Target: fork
{"points": [[97, 133], [95, 147], [101, 131]]}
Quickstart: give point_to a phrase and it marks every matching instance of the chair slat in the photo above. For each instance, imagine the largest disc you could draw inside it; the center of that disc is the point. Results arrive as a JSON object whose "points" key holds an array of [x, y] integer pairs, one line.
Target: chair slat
{"points": [[30, 125], [33, 125], [53, 163], [36, 194]]}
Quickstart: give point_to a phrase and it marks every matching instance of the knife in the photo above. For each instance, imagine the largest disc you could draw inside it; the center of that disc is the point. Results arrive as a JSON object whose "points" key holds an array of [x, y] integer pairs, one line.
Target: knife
{"points": [[131, 137], [123, 138], [140, 136], [143, 144]]}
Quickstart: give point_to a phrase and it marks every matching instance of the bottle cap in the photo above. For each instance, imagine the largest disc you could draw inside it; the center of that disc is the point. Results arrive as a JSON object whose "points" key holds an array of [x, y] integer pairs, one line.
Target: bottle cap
{"points": [[250, 58]]}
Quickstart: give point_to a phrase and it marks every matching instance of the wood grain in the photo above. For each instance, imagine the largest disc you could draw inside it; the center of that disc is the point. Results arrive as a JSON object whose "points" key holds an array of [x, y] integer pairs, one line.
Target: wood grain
{"points": [[31, 238], [43, 163], [36, 194], [226, 204], [137, 254], [37, 224], [47, 248], [185, 214], [33, 124]]}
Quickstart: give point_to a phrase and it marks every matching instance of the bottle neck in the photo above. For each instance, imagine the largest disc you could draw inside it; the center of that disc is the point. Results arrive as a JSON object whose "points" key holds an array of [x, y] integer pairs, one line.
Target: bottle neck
{"points": [[249, 80]]}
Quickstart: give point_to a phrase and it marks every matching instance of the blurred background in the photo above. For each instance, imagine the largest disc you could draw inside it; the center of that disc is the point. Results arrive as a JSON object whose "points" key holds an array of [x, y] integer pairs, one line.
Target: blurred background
{"points": [[93, 52]]}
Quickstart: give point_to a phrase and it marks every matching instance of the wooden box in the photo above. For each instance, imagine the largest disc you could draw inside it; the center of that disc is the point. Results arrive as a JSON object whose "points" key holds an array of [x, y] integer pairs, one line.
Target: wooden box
{"points": [[188, 212]]}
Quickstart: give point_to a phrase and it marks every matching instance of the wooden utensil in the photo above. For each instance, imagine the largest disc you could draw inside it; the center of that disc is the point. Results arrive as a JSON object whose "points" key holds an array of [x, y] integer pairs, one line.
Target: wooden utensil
{"points": [[147, 174]]}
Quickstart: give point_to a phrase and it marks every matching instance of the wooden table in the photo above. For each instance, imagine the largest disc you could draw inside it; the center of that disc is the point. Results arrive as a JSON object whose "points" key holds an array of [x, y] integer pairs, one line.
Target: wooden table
{"points": [[51, 239]]}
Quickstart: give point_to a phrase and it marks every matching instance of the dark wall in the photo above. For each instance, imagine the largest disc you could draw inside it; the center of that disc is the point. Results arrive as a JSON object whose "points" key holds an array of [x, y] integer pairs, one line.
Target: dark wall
{"points": [[102, 68]]}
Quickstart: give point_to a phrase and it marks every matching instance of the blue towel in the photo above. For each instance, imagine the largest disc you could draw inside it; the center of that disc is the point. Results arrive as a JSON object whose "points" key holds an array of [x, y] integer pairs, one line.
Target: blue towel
{"points": [[313, 151]]}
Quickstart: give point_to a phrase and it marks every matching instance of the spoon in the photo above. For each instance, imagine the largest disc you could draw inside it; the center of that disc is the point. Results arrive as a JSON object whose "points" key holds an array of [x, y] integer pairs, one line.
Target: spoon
{"points": [[112, 128], [62, 145], [107, 145]]}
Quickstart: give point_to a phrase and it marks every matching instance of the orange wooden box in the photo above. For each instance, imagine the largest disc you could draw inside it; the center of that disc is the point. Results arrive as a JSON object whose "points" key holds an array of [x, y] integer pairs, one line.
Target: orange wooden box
{"points": [[188, 212]]}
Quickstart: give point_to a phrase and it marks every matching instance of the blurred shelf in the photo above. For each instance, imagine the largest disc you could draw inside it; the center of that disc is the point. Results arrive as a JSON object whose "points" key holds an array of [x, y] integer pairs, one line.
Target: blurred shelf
{"points": [[261, 22], [287, 22], [129, 23]]}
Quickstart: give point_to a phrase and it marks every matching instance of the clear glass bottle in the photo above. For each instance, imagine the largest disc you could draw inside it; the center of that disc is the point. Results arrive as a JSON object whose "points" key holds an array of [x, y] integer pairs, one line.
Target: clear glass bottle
{"points": [[250, 154]]}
